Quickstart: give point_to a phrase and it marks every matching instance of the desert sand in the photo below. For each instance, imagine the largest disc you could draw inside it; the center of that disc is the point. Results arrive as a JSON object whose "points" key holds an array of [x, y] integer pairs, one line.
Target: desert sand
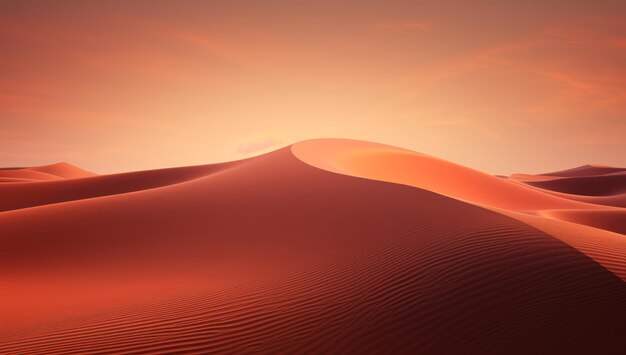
{"points": [[325, 246]]}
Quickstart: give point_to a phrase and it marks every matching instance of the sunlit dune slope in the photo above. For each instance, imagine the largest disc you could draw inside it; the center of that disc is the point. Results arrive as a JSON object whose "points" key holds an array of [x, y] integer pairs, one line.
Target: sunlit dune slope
{"points": [[386, 163], [275, 255]]}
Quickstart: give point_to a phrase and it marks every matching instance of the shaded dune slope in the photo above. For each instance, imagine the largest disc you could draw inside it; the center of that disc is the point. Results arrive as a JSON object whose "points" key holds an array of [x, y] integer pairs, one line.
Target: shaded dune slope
{"points": [[606, 247], [274, 255]]}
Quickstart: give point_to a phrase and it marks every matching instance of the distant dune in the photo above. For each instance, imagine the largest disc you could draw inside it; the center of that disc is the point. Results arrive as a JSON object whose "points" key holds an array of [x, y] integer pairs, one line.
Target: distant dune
{"points": [[325, 246], [46, 172], [586, 170], [595, 185]]}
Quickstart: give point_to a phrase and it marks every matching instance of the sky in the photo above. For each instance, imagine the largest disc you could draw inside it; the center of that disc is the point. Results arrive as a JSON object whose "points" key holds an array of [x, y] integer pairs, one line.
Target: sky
{"points": [[499, 86]]}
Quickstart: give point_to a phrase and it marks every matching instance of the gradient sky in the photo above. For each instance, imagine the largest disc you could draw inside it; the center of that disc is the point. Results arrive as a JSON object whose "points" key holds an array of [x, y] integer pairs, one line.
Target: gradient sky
{"points": [[500, 86]]}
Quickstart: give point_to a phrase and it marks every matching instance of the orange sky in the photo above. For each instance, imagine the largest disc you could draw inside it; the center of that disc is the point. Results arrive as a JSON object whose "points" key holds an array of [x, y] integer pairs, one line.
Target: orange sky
{"points": [[128, 85]]}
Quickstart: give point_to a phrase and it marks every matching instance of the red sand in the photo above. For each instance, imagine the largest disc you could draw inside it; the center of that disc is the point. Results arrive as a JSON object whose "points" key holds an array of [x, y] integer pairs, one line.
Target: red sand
{"points": [[276, 254]]}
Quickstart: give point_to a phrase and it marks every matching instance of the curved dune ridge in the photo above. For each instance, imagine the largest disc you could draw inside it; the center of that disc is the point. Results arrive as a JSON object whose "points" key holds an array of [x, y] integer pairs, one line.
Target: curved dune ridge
{"points": [[308, 249]]}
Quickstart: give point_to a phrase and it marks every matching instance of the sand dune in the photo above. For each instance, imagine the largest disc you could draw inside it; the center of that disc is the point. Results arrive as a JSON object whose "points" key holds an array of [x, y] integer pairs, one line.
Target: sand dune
{"points": [[25, 174], [586, 170], [277, 254], [617, 200], [506, 196], [386, 163], [614, 198], [601, 185], [63, 190], [64, 170], [612, 220], [45, 172]]}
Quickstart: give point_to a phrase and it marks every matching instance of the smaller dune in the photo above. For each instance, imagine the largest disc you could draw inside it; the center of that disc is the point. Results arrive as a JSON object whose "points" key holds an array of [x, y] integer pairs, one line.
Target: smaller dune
{"points": [[597, 185], [25, 175], [51, 172], [56, 189], [64, 170], [586, 170], [611, 220]]}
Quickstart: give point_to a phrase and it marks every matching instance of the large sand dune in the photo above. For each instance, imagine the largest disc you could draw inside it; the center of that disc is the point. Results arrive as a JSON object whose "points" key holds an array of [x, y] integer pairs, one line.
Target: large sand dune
{"points": [[513, 197], [326, 246]]}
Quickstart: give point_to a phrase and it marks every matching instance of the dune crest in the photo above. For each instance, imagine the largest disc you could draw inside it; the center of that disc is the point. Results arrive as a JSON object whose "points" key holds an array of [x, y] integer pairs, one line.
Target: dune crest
{"points": [[392, 164]]}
